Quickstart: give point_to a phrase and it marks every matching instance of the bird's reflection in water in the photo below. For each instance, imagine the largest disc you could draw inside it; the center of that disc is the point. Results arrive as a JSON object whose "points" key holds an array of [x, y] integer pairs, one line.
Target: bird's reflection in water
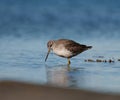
{"points": [[62, 75]]}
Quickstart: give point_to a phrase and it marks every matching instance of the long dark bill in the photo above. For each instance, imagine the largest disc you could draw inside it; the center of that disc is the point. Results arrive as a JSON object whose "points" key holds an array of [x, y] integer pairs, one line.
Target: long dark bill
{"points": [[47, 54]]}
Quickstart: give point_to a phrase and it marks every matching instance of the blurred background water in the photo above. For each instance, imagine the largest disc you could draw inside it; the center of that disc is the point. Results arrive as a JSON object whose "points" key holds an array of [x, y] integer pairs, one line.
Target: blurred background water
{"points": [[27, 25]]}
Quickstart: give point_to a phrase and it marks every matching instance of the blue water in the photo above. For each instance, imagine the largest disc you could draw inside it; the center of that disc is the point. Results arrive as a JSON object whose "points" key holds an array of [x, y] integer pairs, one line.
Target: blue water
{"points": [[26, 26]]}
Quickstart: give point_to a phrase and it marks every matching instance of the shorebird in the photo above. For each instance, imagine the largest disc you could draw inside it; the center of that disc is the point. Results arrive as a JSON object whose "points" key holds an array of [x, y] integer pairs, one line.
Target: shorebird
{"points": [[66, 48]]}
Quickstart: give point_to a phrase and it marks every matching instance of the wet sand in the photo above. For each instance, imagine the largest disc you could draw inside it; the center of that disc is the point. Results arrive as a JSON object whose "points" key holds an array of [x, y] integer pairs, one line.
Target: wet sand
{"points": [[10, 90]]}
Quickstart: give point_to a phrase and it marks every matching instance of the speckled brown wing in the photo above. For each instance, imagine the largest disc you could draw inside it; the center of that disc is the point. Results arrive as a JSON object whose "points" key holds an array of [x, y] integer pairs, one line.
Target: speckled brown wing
{"points": [[75, 47]]}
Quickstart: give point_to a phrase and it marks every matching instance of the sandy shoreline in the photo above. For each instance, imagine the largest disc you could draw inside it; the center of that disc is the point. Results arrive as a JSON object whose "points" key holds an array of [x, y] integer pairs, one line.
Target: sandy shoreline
{"points": [[22, 91]]}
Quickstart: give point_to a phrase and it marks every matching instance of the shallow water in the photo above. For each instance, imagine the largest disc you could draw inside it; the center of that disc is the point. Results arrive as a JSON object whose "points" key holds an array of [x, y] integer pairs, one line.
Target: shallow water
{"points": [[23, 60]]}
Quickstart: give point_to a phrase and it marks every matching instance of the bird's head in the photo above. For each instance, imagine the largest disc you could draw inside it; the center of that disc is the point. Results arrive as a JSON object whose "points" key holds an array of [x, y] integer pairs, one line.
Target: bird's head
{"points": [[49, 46]]}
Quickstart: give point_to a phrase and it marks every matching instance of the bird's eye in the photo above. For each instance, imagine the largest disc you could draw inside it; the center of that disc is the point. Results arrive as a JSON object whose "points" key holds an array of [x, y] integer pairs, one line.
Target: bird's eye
{"points": [[49, 45]]}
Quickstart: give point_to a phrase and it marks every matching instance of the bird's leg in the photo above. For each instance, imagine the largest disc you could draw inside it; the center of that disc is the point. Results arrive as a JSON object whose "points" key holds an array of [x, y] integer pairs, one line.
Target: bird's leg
{"points": [[69, 61], [68, 66]]}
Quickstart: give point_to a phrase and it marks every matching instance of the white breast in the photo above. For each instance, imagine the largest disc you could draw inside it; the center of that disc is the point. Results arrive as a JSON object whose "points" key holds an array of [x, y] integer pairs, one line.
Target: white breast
{"points": [[62, 51]]}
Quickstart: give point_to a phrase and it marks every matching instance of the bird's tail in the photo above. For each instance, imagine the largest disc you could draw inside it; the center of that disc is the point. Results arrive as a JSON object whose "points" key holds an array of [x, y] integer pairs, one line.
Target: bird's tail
{"points": [[89, 47]]}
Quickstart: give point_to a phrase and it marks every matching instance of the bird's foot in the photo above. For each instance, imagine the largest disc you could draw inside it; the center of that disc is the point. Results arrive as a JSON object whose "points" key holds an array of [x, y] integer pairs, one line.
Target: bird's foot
{"points": [[69, 61]]}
